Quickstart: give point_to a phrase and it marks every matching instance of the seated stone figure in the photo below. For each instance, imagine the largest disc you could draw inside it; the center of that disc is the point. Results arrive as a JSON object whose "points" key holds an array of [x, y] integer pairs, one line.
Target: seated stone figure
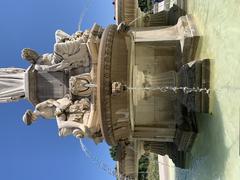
{"points": [[69, 52], [83, 111], [70, 116], [51, 109]]}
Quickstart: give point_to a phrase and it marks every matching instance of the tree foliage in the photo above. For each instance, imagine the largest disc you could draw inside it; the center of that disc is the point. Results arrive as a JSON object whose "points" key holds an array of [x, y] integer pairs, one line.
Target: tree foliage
{"points": [[143, 167], [113, 152], [145, 5]]}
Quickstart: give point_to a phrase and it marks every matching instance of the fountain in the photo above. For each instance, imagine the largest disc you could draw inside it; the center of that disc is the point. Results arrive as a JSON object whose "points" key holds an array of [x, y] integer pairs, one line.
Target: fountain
{"points": [[150, 87], [136, 88]]}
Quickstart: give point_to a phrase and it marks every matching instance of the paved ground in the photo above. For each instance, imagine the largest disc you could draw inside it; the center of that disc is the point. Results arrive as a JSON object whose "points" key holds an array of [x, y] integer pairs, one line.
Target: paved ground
{"points": [[215, 154]]}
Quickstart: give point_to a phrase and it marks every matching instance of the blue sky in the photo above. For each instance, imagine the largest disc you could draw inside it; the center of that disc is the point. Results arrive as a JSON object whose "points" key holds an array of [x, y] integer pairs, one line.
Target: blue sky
{"points": [[36, 152]]}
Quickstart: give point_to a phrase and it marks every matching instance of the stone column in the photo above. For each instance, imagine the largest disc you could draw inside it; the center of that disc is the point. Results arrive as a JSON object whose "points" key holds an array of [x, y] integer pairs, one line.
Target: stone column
{"points": [[182, 30]]}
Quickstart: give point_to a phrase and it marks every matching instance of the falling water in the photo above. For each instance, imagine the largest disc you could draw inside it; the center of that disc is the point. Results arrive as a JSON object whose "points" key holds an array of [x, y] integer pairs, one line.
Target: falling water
{"points": [[186, 90], [90, 85], [96, 160], [139, 17], [82, 15], [181, 174]]}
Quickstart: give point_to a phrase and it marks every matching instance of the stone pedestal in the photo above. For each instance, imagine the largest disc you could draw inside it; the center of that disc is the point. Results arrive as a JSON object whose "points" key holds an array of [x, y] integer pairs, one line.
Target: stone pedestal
{"points": [[195, 75]]}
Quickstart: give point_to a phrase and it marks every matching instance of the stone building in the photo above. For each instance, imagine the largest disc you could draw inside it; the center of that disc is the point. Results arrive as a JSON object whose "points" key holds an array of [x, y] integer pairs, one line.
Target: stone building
{"points": [[166, 13]]}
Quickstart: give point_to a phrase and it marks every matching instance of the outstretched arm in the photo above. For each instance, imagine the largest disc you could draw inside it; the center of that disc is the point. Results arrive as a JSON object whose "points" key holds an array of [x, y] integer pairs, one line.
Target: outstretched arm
{"points": [[68, 48], [63, 105]]}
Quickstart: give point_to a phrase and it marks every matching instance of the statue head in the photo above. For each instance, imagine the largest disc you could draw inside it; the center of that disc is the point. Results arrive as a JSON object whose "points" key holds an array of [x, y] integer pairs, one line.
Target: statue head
{"points": [[30, 55], [29, 117]]}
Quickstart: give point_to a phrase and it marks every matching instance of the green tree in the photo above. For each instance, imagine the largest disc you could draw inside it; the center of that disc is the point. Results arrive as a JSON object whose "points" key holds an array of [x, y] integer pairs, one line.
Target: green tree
{"points": [[113, 152], [143, 167], [145, 5]]}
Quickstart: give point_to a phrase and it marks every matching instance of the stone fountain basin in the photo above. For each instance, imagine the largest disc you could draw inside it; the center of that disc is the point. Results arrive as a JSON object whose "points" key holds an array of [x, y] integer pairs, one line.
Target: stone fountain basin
{"points": [[112, 67]]}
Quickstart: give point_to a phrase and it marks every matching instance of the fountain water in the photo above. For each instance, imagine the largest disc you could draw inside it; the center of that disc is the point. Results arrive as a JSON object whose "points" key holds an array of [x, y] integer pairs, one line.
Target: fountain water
{"points": [[83, 13], [89, 85], [185, 90], [96, 160], [181, 173], [139, 17]]}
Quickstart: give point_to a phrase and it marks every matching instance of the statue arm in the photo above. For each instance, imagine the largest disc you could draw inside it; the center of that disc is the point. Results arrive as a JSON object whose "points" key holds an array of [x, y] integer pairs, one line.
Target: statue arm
{"points": [[43, 104], [45, 109], [68, 48], [45, 59], [61, 106], [52, 102], [49, 103]]}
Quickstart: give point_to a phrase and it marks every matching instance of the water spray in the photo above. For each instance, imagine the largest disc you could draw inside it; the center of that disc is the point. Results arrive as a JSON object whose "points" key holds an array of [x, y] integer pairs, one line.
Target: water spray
{"points": [[186, 90], [82, 15], [139, 17], [182, 173]]}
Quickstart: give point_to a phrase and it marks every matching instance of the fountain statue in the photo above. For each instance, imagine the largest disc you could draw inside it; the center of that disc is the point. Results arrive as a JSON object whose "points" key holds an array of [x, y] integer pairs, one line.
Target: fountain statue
{"points": [[66, 50], [75, 110], [72, 117]]}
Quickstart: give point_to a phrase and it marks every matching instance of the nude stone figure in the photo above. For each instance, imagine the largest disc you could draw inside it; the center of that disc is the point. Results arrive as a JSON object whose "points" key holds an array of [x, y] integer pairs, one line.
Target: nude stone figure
{"points": [[83, 111], [51, 109], [69, 51], [74, 118]]}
